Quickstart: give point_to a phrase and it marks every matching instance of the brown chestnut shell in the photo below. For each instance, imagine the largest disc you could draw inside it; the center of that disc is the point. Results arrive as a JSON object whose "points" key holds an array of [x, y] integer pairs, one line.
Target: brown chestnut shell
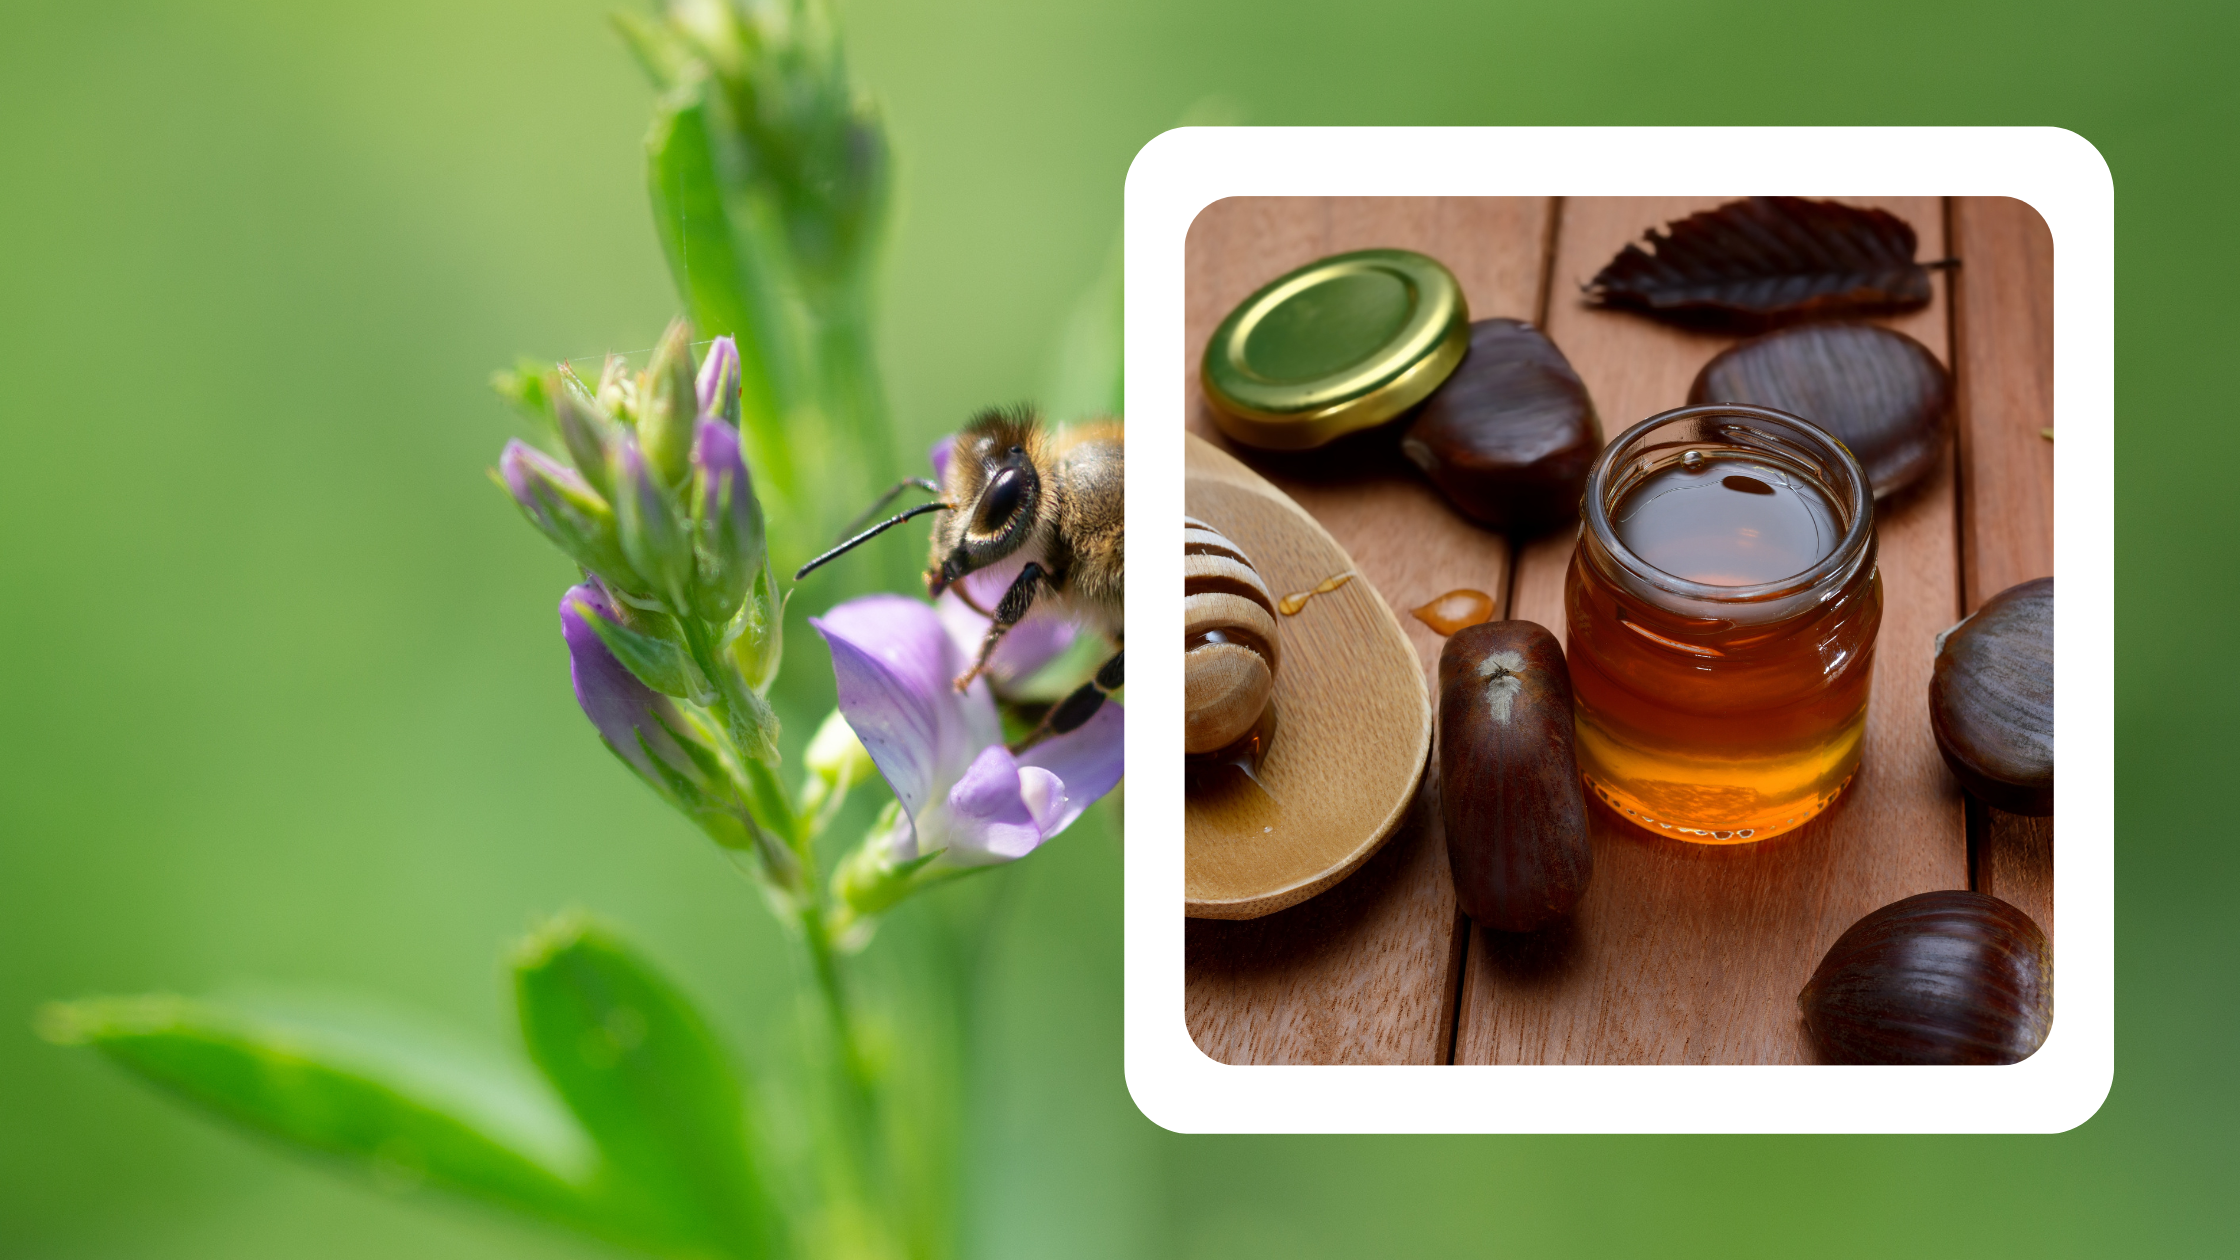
{"points": [[1516, 814], [1991, 699], [1881, 393], [1510, 436], [1940, 977]]}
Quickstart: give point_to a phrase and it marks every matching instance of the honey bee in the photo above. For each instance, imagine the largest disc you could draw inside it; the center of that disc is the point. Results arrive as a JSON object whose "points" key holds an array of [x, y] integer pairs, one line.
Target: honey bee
{"points": [[1013, 487]]}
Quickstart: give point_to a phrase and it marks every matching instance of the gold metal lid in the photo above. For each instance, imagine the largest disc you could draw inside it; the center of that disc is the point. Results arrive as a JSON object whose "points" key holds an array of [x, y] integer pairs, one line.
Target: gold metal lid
{"points": [[1340, 344]]}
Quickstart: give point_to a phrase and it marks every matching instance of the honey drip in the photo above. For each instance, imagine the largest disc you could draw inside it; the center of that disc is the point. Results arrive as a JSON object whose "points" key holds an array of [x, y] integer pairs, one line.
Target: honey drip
{"points": [[1456, 610], [1290, 605], [1244, 757]]}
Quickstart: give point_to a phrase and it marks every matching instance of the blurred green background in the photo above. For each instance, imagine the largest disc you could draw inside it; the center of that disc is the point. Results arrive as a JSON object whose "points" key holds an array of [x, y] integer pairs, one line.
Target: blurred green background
{"points": [[282, 701]]}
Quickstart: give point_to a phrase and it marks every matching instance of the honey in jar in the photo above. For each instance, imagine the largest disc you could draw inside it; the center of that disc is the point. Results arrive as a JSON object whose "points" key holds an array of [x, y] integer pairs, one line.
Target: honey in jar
{"points": [[1722, 607]]}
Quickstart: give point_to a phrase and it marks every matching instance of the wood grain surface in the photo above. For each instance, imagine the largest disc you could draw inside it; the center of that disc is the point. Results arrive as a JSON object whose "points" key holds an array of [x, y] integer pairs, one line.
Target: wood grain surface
{"points": [[1367, 972], [1684, 953], [2003, 330], [1680, 953], [1353, 715]]}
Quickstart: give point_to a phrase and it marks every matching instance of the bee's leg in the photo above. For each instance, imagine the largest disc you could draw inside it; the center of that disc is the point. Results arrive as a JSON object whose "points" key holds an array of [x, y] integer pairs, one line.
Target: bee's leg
{"points": [[1017, 599], [1072, 712]]}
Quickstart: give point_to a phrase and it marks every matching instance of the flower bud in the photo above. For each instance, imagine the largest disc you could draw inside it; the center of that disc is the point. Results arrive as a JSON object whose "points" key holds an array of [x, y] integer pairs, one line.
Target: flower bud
{"points": [[528, 388], [727, 521], [588, 436], [643, 727], [877, 876], [617, 394], [757, 634], [835, 754], [654, 536], [668, 404], [719, 381], [569, 512], [650, 646]]}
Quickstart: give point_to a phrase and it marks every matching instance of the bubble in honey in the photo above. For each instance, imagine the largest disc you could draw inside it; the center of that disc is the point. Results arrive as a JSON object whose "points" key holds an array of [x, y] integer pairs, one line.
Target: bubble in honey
{"points": [[1290, 605], [1456, 610]]}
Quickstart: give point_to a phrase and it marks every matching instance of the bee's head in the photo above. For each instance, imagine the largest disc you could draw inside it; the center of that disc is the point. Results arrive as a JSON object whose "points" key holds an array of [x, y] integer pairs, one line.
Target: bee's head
{"points": [[994, 481]]}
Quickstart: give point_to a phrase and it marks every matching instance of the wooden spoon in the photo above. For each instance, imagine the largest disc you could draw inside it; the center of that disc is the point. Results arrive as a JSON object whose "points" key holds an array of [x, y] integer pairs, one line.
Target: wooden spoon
{"points": [[1353, 716]]}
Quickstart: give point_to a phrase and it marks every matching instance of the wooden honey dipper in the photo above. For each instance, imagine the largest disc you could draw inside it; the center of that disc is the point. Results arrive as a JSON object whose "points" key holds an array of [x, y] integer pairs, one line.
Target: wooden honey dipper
{"points": [[1229, 635]]}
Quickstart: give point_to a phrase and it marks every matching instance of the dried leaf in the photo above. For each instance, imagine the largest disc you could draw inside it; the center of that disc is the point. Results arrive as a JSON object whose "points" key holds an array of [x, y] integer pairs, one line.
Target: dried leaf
{"points": [[1753, 264]]}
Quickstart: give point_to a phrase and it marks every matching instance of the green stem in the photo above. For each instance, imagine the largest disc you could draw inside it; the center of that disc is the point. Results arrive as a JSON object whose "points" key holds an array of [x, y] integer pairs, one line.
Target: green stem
{"points": [[864, 1176], [824, 963], [867, 1179]]}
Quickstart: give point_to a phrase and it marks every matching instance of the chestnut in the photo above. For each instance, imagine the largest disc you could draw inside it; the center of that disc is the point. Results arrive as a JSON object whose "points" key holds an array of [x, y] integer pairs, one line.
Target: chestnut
{"points": [[1509, 437], [1883, 394], [1991, 699], [1940, 977], [1516, 814]]}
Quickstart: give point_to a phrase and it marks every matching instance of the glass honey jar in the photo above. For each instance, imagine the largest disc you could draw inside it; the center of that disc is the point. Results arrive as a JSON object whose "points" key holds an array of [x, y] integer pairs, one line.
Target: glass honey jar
{"points": [[1722, 605]]}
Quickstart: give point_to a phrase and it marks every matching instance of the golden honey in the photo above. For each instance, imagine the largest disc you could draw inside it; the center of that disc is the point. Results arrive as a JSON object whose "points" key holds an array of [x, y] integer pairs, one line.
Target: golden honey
{"points": [[1290, 604], [1722, 607]]}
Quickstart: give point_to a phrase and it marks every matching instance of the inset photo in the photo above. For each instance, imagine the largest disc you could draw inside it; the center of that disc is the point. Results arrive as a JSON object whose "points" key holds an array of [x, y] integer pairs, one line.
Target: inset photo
{"points": [[1618, 633]]}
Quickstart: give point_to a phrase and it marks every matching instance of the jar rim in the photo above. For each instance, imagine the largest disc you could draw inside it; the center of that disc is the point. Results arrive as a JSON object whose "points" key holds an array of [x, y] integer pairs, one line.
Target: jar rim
{"points": [[1595, 515]]}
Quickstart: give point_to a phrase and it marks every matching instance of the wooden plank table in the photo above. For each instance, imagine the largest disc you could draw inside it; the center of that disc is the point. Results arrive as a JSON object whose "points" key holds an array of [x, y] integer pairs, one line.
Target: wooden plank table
{"points": [[2003, 336], [1680, 953]]}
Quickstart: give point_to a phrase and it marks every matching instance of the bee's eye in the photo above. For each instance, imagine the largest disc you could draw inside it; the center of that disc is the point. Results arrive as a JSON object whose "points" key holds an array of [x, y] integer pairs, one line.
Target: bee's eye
{"points": [[1000, 500]]}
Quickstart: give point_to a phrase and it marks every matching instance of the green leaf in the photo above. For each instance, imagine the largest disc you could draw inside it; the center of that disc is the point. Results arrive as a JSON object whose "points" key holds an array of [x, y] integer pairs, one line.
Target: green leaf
{"points": [[657, 662], [384, 1095], [696, 233], [643, 1072]]}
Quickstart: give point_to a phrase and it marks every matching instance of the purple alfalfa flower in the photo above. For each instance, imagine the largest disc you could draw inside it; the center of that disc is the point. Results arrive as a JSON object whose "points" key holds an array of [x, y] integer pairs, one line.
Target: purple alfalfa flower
{"points": [[727, 519], [640, 724], [962, 793], [565, 508], [647, 730], [719, 381], [654, 536]]}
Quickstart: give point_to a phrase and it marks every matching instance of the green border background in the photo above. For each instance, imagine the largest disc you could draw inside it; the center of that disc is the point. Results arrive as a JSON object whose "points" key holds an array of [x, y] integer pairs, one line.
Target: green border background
{"points": [[280, 698]]}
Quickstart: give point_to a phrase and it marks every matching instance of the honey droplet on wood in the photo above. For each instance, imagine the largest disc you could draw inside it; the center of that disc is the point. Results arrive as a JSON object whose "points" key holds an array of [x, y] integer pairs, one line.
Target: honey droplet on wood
{"points": [[1456, 610], [1291, 604]]}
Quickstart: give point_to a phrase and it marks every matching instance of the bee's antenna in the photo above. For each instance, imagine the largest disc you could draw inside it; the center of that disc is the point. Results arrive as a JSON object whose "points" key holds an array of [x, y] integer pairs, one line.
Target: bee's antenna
{"points": [[906, 483], [869, 534]]}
